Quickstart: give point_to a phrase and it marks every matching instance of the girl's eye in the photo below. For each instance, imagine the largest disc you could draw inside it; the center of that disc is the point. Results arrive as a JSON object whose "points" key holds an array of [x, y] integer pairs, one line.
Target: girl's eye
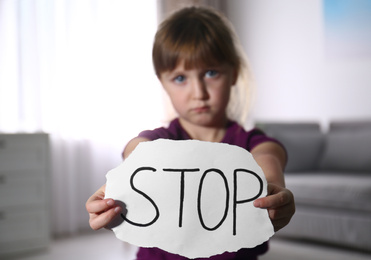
{"points": [[211, 74], [179, 79]]}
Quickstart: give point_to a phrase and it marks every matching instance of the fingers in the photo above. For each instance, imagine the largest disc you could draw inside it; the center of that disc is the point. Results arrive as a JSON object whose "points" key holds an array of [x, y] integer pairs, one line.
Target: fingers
{"points": [[96, 203], [280, 205], [277, 197], [279, 223], [281, 217], [273, 201], [101, 211], [97, 206], [282, 212], [98, 221]]}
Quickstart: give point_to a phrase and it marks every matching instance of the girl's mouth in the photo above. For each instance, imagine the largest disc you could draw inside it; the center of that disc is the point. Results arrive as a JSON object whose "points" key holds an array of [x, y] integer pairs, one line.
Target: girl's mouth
{"points": [[201, 109]]}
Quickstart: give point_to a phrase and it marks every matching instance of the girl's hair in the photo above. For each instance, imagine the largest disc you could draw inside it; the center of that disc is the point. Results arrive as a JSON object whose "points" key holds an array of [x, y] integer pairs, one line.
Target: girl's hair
{"points": [[202, 37]]}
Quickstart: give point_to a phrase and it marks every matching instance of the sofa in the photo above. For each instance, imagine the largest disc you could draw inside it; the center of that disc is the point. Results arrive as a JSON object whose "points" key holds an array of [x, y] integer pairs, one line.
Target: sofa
{"points": [[329, 173]]}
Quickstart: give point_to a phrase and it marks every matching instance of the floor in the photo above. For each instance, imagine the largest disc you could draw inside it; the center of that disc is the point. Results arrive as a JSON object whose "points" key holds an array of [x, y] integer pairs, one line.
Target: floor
{"points": [[289, 250], [104, 245]]}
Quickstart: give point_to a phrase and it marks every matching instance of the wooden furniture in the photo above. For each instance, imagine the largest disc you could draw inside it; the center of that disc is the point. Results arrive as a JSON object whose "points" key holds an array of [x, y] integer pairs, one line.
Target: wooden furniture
{"points": [[24, 191]]}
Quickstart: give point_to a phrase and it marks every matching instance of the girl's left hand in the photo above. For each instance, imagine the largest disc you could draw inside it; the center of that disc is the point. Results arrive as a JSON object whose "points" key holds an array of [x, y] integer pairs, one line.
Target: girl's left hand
{"points": [[280, 205]]}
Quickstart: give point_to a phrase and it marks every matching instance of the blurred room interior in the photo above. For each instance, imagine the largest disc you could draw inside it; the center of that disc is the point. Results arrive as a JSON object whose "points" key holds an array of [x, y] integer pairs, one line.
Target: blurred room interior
{"points": [[72, 78]]}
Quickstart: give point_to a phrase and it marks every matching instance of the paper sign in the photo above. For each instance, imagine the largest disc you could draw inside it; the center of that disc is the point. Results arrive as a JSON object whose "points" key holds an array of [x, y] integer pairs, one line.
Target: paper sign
{"points": [[190, 198]]}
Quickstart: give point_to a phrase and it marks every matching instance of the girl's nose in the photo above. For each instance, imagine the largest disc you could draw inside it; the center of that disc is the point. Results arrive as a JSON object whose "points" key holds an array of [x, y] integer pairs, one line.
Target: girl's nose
{"points": [[200, 90]]}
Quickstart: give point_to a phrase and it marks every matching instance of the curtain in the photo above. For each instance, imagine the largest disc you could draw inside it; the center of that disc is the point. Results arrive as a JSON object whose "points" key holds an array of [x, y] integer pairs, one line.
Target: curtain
{"points": [[81, 71]]}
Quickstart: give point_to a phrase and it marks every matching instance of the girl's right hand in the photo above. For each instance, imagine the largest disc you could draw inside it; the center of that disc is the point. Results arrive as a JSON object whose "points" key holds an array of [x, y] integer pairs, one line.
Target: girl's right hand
{"points": [[101, 211]]}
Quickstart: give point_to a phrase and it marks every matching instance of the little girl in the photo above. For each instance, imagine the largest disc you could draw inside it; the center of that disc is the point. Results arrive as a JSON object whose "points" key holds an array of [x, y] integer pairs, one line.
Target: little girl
{"points": [[199, 64]]}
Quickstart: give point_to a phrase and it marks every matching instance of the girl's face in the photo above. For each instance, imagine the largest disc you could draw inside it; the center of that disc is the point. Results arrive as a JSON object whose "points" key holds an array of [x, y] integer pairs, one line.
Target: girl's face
{"points": [[200, 95]]}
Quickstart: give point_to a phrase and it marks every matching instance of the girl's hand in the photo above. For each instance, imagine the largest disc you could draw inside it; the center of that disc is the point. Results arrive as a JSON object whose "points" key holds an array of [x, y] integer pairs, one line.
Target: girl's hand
{"points": [[280, 205], [101, 211]]}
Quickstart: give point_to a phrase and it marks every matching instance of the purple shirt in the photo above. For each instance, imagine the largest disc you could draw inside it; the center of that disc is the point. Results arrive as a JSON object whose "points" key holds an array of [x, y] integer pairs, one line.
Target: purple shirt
{"points": [[235, 135]]}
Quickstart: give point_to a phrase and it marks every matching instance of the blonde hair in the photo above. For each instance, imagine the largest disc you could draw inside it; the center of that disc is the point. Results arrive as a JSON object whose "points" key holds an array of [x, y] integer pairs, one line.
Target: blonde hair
{"points": [[200, 37]]}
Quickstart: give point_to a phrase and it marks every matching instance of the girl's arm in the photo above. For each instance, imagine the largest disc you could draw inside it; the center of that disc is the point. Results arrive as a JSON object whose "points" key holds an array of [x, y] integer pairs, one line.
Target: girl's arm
{"points": [[271, 157], [103, 211]]}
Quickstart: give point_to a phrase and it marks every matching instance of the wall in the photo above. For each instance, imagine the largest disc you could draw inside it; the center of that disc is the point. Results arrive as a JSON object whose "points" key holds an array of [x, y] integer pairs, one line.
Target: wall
{"points": [[296, 79]]}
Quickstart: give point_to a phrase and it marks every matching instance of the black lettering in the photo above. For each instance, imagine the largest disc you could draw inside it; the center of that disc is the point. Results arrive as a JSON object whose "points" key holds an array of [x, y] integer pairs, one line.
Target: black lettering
{"points": [[144, 195], [235, 201], [199, 199], [182, 181]]}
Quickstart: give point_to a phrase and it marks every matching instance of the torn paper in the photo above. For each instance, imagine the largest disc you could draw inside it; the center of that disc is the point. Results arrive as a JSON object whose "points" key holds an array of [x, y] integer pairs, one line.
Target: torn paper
{"points": [[190, 198]]}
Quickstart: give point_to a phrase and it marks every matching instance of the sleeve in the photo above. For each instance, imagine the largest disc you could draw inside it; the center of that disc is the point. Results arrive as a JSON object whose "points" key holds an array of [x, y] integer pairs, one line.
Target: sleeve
{"points": [[154, 134], [257, 136]]}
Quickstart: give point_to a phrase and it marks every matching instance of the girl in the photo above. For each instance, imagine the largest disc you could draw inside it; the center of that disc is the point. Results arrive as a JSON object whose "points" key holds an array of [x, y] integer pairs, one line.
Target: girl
{"points": [[199, 64]]}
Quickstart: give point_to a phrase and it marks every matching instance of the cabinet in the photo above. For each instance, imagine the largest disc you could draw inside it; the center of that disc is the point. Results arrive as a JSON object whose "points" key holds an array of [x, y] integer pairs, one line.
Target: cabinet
{"points": [[24, 178]]}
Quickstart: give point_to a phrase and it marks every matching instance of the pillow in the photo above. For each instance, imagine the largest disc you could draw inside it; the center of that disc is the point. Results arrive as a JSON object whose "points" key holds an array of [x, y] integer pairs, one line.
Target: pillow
{"points": [[304, 149], [347, 151]]}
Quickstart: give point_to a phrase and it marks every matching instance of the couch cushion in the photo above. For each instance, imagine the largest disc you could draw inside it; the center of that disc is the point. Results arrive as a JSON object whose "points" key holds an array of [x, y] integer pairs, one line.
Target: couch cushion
{"points": [[303, 143], [274, 127], [364, 125], [338, 227], [347, 150], [304, 150], [345, 190]]}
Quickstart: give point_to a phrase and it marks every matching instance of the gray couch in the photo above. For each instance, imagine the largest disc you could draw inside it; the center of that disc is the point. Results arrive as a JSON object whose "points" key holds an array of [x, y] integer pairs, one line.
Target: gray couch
{"points": [[329, 173]]}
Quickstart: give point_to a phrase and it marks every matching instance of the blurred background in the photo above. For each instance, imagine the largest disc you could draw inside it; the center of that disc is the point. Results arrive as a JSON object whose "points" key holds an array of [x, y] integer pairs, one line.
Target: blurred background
{"points": [[81, 72]]}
